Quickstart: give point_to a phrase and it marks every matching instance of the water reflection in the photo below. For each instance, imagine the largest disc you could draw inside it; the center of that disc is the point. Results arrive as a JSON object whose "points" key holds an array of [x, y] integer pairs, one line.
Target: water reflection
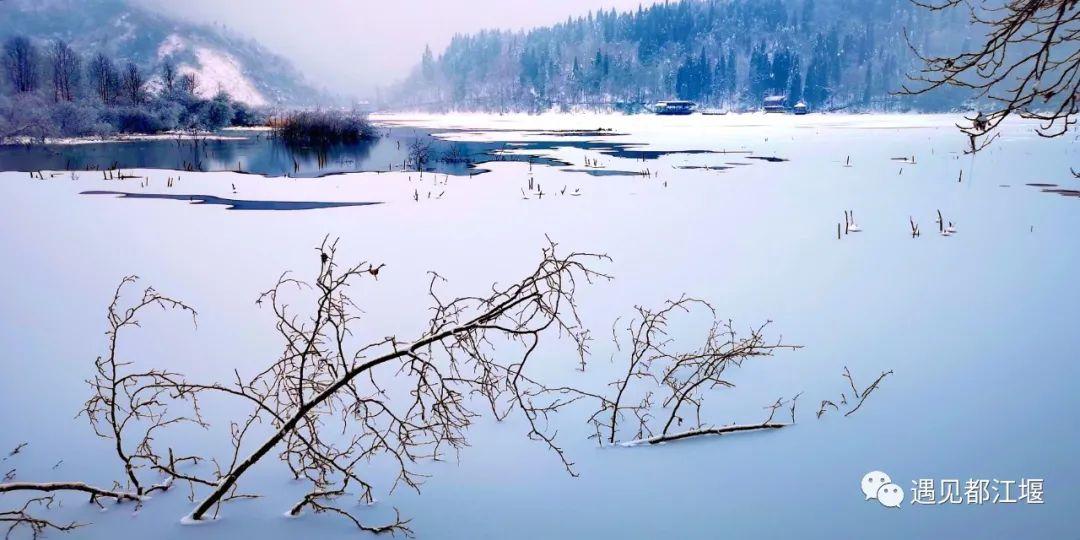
{"points": [[259, 152]]}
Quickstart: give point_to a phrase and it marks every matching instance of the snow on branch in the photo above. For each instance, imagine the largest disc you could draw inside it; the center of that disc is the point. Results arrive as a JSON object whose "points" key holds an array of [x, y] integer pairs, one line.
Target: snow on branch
{"points": [[662, 389], [331, 402], [323, 406]]}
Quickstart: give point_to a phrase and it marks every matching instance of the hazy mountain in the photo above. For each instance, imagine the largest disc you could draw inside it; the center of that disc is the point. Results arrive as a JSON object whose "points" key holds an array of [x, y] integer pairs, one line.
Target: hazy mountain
{"points": [[221, 60], [834, 54]]}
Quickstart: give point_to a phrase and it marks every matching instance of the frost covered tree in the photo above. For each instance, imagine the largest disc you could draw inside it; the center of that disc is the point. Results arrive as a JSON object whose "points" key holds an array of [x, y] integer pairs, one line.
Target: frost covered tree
{"points": [[101, 96], [21, 63], [729, 52], [168, 75], [188, 83], [132, 84], [66, 67], [219, 112], [427, 64], [105, 78]]}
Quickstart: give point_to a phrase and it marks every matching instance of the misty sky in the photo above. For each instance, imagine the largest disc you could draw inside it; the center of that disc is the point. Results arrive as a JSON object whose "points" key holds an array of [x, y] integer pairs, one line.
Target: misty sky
{"points": [[351, 46]]}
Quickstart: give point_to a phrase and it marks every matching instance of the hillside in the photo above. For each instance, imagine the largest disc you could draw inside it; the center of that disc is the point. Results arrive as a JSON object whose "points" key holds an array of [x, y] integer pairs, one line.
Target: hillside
{"points": [[221, 61], [834, 54]]}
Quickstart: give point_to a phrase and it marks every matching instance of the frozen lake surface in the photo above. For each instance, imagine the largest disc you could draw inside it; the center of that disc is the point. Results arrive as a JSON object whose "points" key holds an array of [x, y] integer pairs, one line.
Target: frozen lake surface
{"points": [[978, 327]]}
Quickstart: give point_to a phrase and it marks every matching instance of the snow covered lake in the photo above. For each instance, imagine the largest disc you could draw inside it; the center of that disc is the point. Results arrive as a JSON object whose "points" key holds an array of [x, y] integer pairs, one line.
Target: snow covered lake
{"points": [[978, 327]]}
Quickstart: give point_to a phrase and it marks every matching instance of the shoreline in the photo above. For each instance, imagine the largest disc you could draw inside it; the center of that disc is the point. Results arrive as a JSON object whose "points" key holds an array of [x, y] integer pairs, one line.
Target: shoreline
{"points": [[221, 135]]}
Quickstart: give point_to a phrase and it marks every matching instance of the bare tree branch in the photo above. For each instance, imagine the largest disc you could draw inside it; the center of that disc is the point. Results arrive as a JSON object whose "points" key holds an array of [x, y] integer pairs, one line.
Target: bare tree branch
{"points": [[322, 406], [680, 378], [23, 517], [1028, 65]]}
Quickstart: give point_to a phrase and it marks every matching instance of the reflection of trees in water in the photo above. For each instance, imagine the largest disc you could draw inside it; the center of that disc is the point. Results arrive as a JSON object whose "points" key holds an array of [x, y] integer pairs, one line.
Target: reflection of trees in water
{"points": [[323, 158], [221, 154], [256, 153]]}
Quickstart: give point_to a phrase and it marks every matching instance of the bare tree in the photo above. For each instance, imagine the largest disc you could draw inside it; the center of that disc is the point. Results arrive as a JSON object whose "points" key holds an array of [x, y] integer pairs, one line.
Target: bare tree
{"points": [[21, 63], [419, 153], [126, 401], [132, 83], [189, 83], [457, 153], [1028, 65], [675, 382], [324, 406], [66, 65], [105, 78], [168, 75]]}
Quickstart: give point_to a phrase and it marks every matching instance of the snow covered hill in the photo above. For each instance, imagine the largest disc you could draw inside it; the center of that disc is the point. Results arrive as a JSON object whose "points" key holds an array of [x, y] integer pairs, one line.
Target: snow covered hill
{"points": [[220, 59]]}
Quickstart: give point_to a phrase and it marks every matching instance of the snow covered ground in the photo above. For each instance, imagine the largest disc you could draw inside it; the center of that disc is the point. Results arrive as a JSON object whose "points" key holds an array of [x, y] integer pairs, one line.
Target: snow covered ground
{"points": [[979, 327]]}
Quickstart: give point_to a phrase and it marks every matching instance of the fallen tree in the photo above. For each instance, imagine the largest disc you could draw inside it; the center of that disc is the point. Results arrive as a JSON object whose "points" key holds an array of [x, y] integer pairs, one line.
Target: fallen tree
{"points": [[321, 381], [331, 401], [672, 383]]}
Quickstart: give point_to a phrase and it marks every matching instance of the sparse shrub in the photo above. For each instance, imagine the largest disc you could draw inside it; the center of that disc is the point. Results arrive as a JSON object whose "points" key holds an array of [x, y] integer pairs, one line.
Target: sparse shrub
{"points": [[457, 153], [419, 153], [316, 128]]}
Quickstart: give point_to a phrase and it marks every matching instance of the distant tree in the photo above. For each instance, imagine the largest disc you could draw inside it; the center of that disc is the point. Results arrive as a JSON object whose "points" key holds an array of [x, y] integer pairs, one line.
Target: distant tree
{"points": [[168, 75], [731, 73], [245, 115], [816, 90], [653, 53], [427, 64], [105, 78], [132, 84], [419, 153], [73, 119], [868, 85], [188, 83], [66, 66], [780, 71], [21, 63], [795, 81], [218, 112], [687, 80], [760, 72], [25, 115]]}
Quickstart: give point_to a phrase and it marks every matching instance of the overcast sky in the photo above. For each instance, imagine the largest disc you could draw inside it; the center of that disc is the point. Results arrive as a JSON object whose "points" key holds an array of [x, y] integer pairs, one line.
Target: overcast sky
{"points": [[352, 46]]}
